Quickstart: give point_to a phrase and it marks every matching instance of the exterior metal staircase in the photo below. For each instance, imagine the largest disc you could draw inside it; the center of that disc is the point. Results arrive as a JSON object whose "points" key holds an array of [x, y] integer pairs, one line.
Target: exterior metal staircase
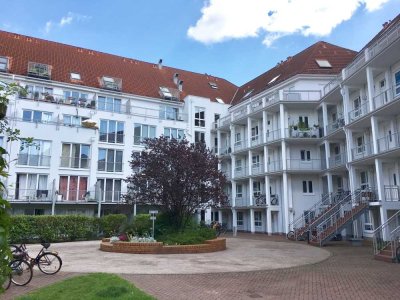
{"points": [[386, 240], [340, 215], [301, 225]]}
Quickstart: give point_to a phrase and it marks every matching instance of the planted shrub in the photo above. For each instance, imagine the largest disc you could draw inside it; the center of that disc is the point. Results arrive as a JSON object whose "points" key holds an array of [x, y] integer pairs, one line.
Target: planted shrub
{"points": [[111, 224]]}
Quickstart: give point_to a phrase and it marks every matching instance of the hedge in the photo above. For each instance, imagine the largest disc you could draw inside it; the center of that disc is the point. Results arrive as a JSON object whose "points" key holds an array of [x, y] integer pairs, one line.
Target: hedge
{"points": [[25, 229]]}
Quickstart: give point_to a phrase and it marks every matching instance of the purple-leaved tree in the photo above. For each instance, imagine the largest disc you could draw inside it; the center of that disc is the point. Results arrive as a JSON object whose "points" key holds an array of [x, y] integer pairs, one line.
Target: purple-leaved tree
{"points": [[177, 176]]}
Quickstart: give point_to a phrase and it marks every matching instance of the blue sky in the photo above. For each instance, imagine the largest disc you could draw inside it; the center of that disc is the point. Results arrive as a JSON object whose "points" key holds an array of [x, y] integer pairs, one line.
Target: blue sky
{"points": [[233, 39]]}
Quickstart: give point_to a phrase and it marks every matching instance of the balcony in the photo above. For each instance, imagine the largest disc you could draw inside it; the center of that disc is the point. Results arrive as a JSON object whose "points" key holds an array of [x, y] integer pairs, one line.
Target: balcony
{"points": [[332, 127], [388, 142], [259, 200], [225, 121], [300, 165], [173, 116], [337, 160], [239, 113], [240, 172], [392, 193], [74, 162], [227, 174], [362, 151], [32, 195], [225, 151], [358, 112], [113, 197], [112, 138], [241, 202], [302, 95], [257, 169], [256, 105], [240, 145], [273, 135], [295, 132], [33, 160], [331, 85], [103, 166], [275, 166], [73, 195], [355, 65], [385, 41], [256, 140]]}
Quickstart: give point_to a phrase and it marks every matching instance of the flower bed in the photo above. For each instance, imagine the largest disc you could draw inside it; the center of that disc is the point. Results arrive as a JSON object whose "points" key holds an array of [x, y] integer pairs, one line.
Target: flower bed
{"points": [[214, 245]]}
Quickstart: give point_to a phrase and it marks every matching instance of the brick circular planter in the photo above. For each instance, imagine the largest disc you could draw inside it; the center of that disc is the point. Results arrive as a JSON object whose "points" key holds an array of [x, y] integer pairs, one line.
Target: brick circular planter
{"points": [[218, 244]]}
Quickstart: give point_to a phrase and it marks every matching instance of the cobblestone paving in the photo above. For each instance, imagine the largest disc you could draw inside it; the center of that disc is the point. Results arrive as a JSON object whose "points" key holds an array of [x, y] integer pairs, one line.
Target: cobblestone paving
{"points": [[350, 273]]}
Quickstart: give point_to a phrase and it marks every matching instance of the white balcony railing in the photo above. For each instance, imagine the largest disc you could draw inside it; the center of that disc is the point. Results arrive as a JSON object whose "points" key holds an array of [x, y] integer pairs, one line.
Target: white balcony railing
{"points": [[257, 168], [301, 95], [359, 111], [272, 135], [392, 193], [337, 160], [362, 151], [299, 164], [388, 142], [333, 126], [275, 166]]}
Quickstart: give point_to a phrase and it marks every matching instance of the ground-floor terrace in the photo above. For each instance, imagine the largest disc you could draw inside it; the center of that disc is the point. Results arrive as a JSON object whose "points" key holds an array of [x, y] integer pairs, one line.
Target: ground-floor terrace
{"points": [[278, 270]]}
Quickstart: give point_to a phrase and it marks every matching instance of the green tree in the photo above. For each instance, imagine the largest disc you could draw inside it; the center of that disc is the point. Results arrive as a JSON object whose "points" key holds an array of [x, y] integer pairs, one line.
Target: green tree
{"points": [[176, 176], [6, 90]]}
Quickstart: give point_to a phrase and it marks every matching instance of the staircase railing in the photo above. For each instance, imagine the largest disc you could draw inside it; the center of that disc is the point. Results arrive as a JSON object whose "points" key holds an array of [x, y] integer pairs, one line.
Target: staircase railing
{"points": [[304, 221], [387, 233], [345, 210]]}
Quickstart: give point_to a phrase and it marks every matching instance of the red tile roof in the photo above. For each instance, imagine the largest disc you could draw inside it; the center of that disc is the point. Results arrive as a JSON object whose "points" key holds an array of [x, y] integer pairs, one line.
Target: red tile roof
{"points": [[301, 63], [138, 77]]}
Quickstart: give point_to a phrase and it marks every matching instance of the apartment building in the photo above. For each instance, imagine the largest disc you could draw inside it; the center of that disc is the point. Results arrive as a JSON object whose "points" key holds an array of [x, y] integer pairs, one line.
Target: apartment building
{"points": [[319, 129], [87, 112]]}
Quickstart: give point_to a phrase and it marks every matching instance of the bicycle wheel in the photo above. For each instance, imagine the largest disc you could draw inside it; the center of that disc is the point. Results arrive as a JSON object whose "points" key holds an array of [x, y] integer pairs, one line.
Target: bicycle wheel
{"points": [[290, 235], [49, 263], [14, 249], [21, 272]]}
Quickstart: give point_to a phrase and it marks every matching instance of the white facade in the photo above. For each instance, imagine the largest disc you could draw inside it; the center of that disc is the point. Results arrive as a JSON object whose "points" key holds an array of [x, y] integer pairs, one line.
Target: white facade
{"points": [[75, 166], [311, 137]]}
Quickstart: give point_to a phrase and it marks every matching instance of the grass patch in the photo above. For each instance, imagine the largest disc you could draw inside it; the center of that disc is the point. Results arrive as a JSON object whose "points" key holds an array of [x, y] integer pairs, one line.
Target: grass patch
{"points": [[93, 286]]}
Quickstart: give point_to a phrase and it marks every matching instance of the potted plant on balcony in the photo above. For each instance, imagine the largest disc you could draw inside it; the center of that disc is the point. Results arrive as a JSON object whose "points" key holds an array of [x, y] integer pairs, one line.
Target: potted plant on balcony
{"points": [[88, 123]]}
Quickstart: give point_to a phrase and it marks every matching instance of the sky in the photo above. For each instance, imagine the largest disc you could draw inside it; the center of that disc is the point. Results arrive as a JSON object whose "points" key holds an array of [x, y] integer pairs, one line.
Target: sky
{"points": [[233, 39]]}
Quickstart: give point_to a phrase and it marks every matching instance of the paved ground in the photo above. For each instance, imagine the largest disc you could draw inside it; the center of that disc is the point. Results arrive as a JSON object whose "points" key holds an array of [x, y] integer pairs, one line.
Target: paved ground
{"points": [[349, 273]]}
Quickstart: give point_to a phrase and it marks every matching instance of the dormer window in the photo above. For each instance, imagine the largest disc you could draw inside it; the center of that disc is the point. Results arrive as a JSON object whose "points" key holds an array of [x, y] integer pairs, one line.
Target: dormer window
{"points": [[273, 79], [213, 85], [75, 76], [323, 63], [248, 93], [39, 70], [3, 64], [219, 100], [165, 93], [111, 83]]}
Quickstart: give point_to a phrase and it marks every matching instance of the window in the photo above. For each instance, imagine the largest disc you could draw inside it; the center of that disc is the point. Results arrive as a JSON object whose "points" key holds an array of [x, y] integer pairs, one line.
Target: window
{"points": [[75, 156], [216, 117], [238, 138], [75, 76], [199, 117], [364, 180], [110, 189], [199, 137], [142, 131], [397, 82], [256, 188], [37, 154], [75, 97], [213, 85], [257, 219], [73, 188], [360, 144], [109, 104], [111, 131], [38, 92], [256, 160], [165, 93], [174, 133], [36, 116], [170, 113], [110, 160], [214, 216], [303, 121], [323, 63], [219, 100], [3, 64], [111, 83], [307, 187], [239, 191], [254, 133], [71, 120], [39, 70], [239, 218], [248, 93], [305, 155], [238, 164], [31, 186], [273, 79]]}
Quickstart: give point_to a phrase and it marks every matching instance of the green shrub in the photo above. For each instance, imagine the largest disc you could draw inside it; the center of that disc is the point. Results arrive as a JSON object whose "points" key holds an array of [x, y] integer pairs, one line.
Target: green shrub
{"points": [[188, 237], [111, 224], [140, 225]]}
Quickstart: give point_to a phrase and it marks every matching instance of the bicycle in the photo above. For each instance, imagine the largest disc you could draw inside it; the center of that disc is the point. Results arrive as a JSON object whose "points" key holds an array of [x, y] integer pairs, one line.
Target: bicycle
{"points": [[219, 228], [20, 272], [48, 262]]}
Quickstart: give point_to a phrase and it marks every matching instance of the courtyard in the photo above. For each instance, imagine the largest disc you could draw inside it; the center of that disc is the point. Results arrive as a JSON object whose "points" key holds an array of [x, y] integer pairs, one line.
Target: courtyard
{"points": [[253, 266]]}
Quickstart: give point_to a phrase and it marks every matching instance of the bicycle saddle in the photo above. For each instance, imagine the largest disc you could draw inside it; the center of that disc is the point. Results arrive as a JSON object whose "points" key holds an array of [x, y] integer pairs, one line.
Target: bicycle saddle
{"points": [[45, 245]]}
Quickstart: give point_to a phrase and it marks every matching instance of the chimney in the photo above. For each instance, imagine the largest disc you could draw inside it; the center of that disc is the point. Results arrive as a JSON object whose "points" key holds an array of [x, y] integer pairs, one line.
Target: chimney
{"points": [[180, 85], [176, 78], [160, 64]]}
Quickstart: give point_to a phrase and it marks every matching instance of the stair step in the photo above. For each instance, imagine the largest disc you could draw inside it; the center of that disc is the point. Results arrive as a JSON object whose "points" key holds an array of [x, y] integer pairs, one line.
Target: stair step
{"points": [[384, 258], [386, 252]]}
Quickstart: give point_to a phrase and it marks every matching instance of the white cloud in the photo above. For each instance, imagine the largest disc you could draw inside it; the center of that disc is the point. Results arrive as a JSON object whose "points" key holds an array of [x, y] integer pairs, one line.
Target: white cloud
{"points": [[65, 20], [233, 19]]}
